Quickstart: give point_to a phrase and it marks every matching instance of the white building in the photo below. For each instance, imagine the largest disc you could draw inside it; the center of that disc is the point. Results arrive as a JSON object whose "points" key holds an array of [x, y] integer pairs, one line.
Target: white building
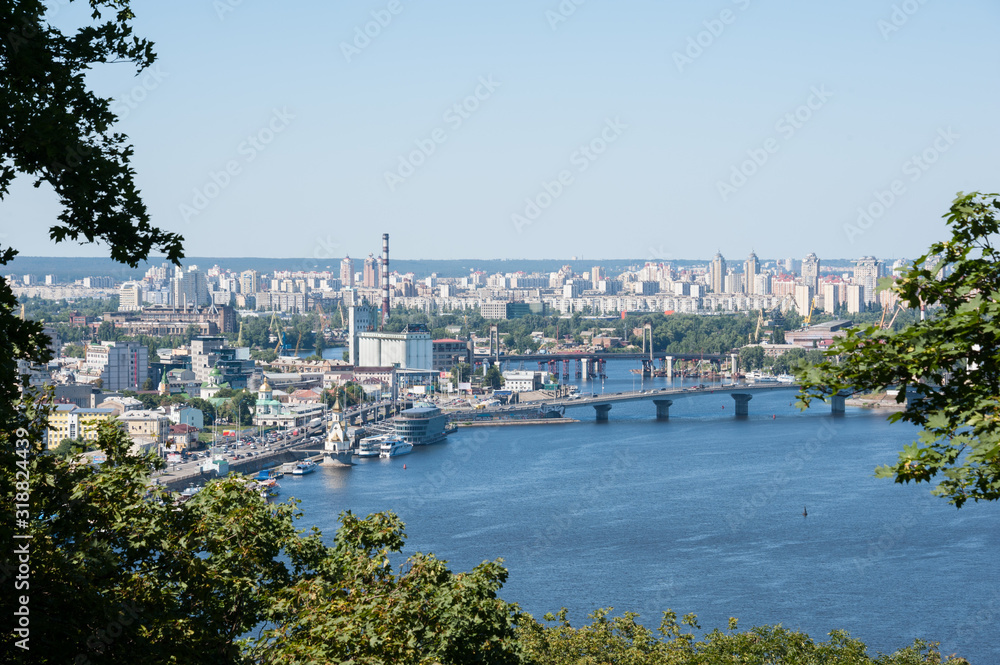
{"points": [[522, 381], [410, 349], [130, 297], [361, 319]]}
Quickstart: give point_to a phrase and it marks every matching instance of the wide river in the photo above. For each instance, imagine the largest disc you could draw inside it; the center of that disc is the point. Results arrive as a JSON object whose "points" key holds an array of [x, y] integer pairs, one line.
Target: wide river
{"points": [[702, 513]]}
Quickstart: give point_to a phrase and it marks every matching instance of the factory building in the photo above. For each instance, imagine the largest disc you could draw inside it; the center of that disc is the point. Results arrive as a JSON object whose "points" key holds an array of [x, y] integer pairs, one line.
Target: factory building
{"points": [[410, 349]]}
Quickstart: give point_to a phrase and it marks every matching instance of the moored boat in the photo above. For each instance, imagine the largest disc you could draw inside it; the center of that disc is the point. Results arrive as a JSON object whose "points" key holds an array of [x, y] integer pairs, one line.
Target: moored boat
{"points": [[304, 467], [393, 446], [371, 446]]}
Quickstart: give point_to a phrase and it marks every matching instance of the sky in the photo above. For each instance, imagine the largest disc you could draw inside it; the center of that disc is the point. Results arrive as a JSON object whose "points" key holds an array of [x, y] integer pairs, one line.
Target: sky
{"points": [[546, 129]]}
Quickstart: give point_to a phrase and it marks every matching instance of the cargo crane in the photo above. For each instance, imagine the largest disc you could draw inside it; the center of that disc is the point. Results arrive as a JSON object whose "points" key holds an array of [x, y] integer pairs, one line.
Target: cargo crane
{"points": [[278, 330]]}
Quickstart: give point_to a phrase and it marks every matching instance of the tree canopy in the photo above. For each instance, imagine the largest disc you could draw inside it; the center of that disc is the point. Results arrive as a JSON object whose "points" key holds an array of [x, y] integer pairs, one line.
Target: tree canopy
{"points": [[59, 132], [946, 367]]}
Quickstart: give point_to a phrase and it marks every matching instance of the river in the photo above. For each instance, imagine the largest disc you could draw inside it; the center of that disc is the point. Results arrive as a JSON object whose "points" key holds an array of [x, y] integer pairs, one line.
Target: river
{"points": [[702, 513]]}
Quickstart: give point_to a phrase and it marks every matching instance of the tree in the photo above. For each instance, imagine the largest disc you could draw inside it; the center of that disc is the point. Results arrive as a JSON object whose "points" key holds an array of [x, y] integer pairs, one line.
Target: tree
{"points": [[947, 368], [624, 640], [493, 378], [460, 372], [68, 447], [752, 357], [59, 132], [207, 409], [354, 608], [106, 332]]}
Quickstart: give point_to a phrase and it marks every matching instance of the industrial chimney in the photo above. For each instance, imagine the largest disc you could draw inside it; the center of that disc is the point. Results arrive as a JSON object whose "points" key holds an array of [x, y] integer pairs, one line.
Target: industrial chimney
{"points": [[385, 279]]}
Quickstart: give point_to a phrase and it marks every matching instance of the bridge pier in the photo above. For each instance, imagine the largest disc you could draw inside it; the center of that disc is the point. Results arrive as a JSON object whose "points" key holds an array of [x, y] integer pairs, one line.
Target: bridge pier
{"points": [[742, 403], [670, 367], [602, 412], [663, 408], [837, 403]]}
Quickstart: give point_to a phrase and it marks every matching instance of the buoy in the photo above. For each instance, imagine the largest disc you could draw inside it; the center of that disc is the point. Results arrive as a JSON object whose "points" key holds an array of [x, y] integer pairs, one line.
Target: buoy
{"points": [[804, 512], [773, 416], [404, 466]]}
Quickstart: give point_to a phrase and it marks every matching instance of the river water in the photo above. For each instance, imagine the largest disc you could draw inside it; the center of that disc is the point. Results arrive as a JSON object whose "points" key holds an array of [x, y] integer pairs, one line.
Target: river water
{"points": [[702, 513]]}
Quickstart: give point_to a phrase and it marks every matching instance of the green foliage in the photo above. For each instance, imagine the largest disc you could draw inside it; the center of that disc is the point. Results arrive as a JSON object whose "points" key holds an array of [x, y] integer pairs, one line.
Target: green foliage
{"points": [[947, 367], [493, 378], [352, 606], [69, 447], [624, 640], [43, 75], [73, 351], [460, 372], [751, 358], [264, 355]]}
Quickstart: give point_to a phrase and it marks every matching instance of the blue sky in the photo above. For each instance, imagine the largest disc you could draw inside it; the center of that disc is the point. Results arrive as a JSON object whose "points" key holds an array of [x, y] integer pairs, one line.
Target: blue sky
{"points": [[630, 129]]}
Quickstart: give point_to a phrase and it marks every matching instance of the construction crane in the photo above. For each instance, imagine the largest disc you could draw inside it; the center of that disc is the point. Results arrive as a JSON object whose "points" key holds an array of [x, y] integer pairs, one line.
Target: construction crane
{"points": [[278, 329], [809, 316], [298, 343], [760, 324], [885, 310]]}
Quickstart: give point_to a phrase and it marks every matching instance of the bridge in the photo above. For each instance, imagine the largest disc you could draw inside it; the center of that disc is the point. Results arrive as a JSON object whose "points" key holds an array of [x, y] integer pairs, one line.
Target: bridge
{"points": [[663, 398]]}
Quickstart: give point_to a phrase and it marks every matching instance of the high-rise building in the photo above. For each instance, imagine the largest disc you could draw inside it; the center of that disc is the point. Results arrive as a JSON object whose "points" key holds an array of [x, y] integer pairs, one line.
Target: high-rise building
{"points": [[347, 273], [855, 298], [831, 297], [190, 288], [810, 272], [733, 283], [803, 298], [130, 297], [121, 365], [249, 282], [597, 273], [370, 279], [867, 270], [751, 269], [717, 273]]}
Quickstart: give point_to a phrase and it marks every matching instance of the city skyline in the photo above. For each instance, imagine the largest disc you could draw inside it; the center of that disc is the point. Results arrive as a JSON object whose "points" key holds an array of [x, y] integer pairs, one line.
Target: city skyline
{"points": [[531, 131]]}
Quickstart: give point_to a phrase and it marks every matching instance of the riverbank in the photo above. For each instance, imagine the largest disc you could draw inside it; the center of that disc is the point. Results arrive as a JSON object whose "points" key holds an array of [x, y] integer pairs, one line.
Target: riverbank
{"points": [[880, 401]]}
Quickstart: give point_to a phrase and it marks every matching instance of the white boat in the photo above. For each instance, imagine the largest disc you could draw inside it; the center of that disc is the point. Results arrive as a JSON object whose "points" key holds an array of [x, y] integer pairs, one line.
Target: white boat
{"points": [[371, 446], [394, 446], [304, 467], [269, 488]]}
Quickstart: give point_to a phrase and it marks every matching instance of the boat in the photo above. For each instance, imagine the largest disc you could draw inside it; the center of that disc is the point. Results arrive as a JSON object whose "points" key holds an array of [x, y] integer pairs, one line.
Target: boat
{"points": [[304, 467], [421, 425], [393, 446], [269, 488], [371, 446], [268, 474]]}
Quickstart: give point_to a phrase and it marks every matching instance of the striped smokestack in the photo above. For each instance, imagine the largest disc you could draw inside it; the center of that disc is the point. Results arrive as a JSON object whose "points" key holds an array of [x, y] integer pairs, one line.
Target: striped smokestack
{"points": [[385, 278]]}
